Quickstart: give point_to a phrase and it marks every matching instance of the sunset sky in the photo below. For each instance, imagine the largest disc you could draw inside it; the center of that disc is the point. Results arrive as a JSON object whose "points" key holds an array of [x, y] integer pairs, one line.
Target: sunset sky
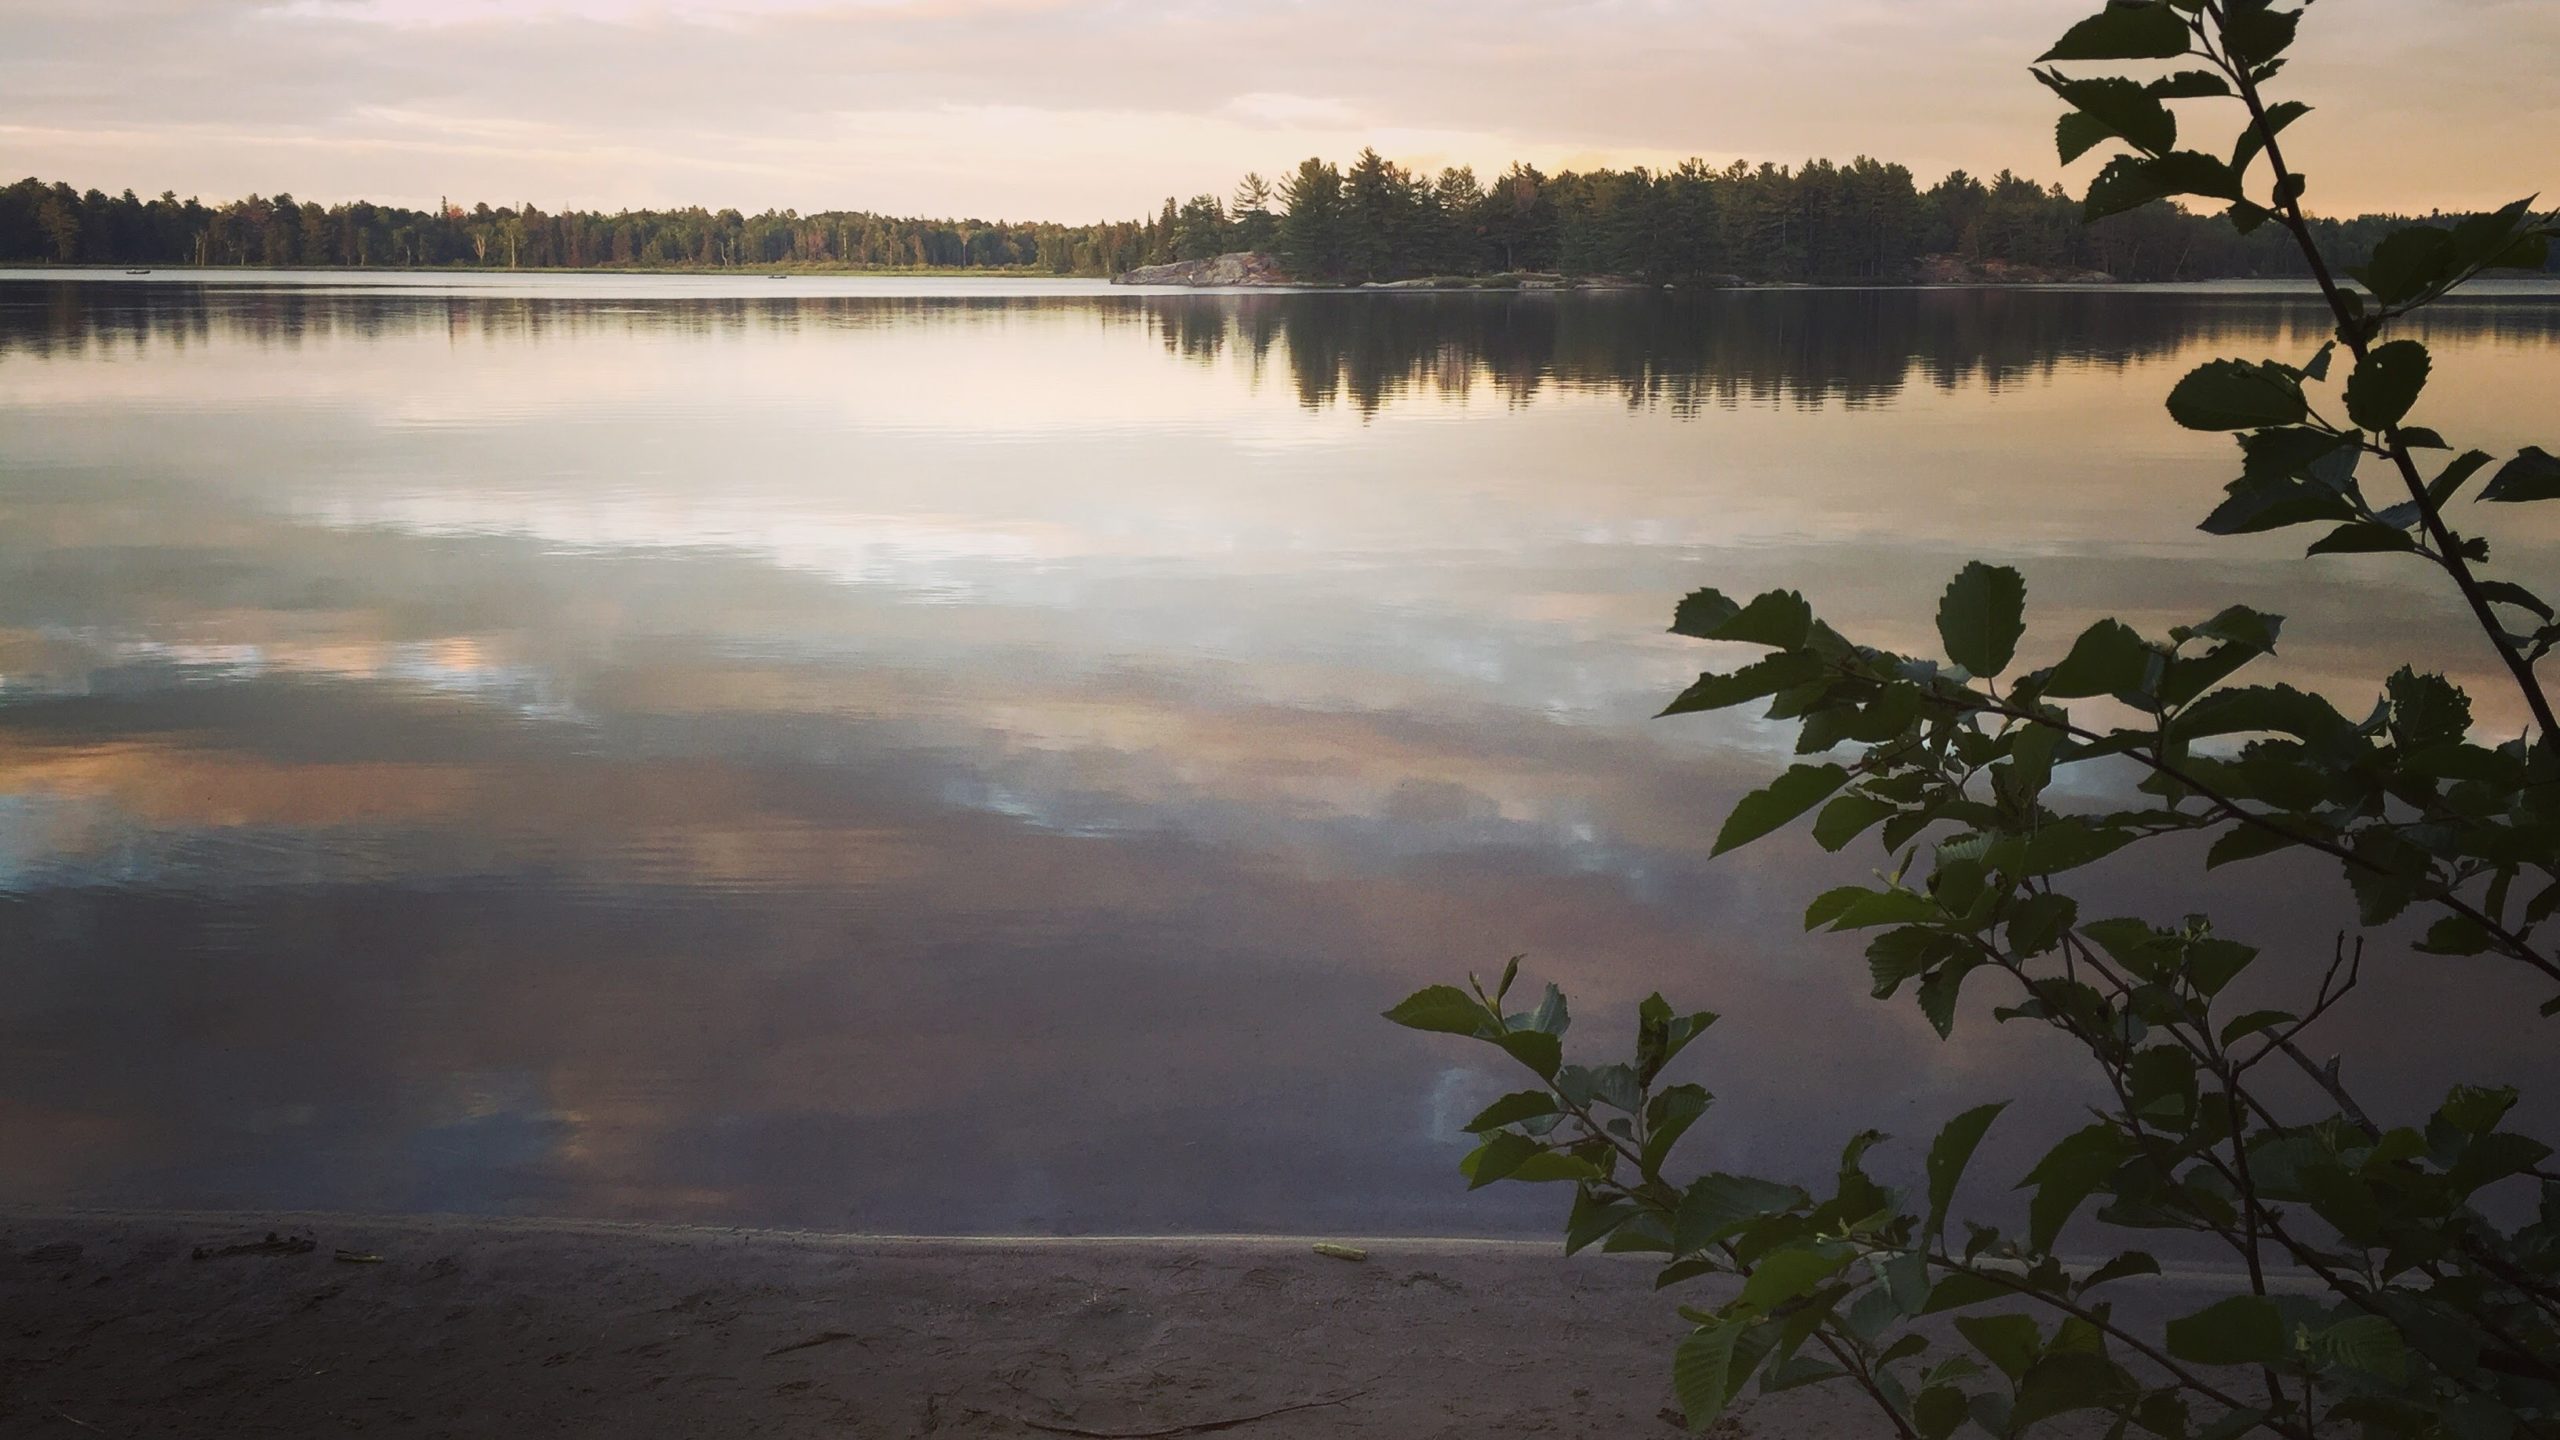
{"points": [[1084, 109]]}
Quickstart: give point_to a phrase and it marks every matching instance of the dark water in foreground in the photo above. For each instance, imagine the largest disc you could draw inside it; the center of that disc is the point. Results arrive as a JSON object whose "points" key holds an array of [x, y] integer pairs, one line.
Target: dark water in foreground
{"points": [[923, 757]]}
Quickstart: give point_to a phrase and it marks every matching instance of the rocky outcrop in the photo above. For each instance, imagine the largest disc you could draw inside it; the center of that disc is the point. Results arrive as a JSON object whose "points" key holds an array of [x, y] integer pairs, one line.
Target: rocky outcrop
{"points": [[1243, 267]]}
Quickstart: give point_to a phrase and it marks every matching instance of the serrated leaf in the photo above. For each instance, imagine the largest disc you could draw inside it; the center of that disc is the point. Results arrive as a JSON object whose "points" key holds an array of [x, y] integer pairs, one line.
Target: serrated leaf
{"points": [[1950, 1153], [1763, 677], [2151, 31], [1792, 1274], [2067, 1175], [2254, 139], [1848, 816], [2236, 395], [2109, 658], [2258, 35], [2075, 135], [1780, 619], [2132, 181], [1800, 789], [2386, 383], [2011, 1342], [2243, 1330], [2362, 537], [1443, 1008], [2191, 85], [2368, 1343], [1716, 1204], [1541, 1052], [2409, 262], [1512, 1108], [1981, 616], [2245, 842], [2122, 108], [2533, 475], [1593, 1220], [1702, 1371]]}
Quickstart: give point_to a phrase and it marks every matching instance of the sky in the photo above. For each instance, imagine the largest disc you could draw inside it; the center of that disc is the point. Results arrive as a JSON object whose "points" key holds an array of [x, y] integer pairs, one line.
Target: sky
{"points": [[1086, 109]]}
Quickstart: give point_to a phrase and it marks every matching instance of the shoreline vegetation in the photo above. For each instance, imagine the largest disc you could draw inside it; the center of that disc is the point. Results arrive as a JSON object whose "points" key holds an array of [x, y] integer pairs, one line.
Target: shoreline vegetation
{"points": [[1371, 222]]}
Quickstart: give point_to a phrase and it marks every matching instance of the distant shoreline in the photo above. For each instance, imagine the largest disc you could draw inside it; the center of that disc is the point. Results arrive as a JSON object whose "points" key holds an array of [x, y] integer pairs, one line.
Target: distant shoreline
{"points": [[2516, 286]]}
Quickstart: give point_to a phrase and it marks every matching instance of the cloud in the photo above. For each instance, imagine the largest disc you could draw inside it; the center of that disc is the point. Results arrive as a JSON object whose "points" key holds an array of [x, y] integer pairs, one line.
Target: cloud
{"points": [[1078, 110]]}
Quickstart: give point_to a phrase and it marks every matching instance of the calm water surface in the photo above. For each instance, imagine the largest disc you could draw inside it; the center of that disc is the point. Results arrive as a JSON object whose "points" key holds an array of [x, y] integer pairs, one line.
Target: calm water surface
{"points": [[927, 756]]}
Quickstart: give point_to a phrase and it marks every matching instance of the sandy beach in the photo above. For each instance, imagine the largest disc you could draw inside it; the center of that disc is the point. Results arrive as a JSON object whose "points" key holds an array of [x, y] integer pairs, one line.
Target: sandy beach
{"points": [[115, 1327]]}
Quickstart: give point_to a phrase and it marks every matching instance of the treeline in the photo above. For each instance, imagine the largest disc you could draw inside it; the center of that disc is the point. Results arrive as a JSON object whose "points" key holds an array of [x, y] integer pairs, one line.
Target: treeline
{"points": [[1866, 221], [54, 224]]}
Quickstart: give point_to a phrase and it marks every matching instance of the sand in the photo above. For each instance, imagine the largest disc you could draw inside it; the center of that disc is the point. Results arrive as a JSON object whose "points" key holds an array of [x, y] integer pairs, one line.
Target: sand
{"points": [[142, 1325], [108, 1326]]}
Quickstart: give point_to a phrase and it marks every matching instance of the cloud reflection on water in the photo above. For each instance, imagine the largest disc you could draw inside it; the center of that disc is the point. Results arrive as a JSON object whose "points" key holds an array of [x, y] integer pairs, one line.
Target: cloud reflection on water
{"points": [[976, 764]]}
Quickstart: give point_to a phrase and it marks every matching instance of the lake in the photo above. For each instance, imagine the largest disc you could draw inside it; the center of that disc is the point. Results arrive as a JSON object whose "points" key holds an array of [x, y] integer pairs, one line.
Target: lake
{"points": [[942, 756]]}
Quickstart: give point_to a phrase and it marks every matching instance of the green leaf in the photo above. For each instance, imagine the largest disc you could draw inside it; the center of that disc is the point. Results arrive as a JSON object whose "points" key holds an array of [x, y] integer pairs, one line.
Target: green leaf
{"points": [[1949, 1154], [2069, 1380], [2255, 1021], [2386, 383], [1779, 619], [1964, 1288], [2011, 1342], [2067, 1175], [2507, 592], [2243, 1330], [1667, 1119], [2152, 31], [1781, 800], [2258, 35], [1541, 1052], [1702, 1371], [2123, 1267], [1511, 1109], [2244, 842], [1498, 1157], [2124, 108], [2191, 85], [2491, 1158], [2408, 262], [2130, 182], [2477, 1109], [2075, 135], [1938, 1412], [2533, 475], [2254, 139], [1592, 1220], [2365, 1342], [2425, 709], [1939, 992], [2236, 395], [1791, 1274], [2037, 923], [1766, 676], [2442, 489], [2107, 659], [1897, 955], [1717, 1204], [1552, 1016], [1443, 1008], [1981, 616], [2362, 537], [1847, 817]]}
